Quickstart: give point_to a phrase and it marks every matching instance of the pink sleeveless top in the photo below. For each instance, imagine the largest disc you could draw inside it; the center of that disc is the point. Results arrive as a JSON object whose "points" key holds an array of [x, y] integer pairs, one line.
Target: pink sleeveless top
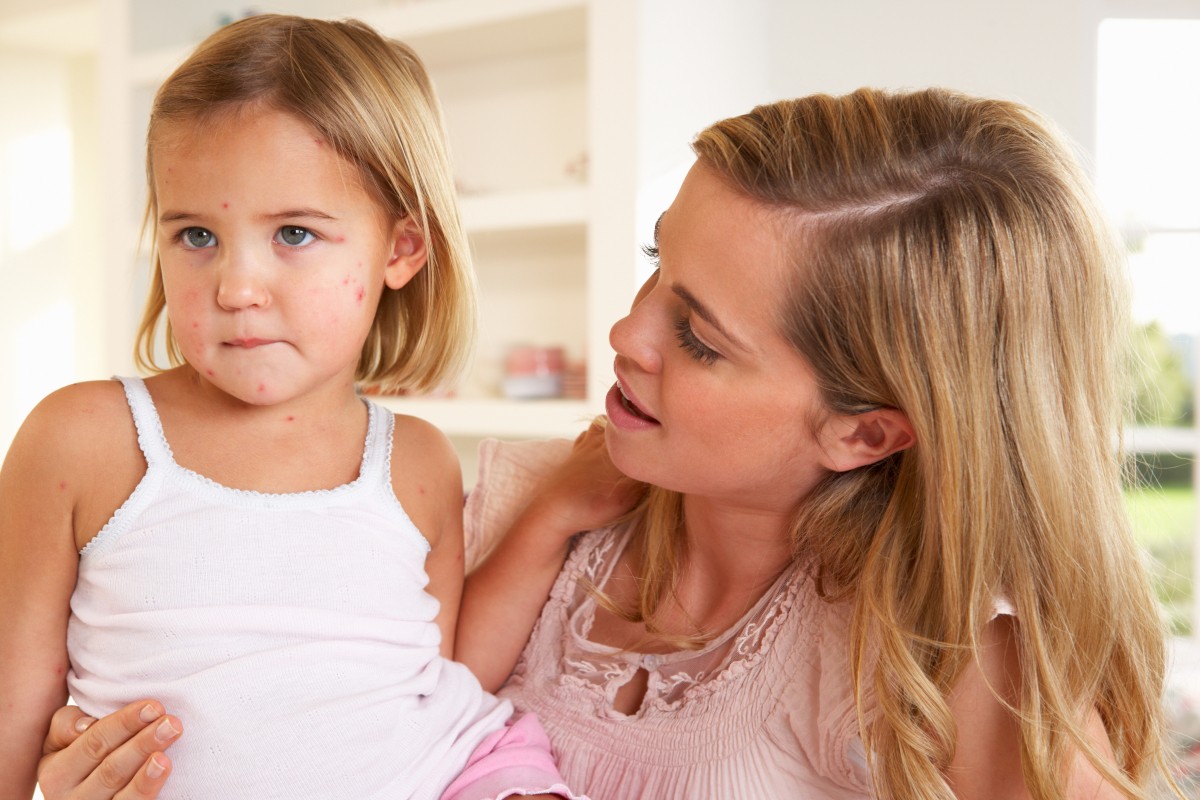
{"points": [[764, 711]]}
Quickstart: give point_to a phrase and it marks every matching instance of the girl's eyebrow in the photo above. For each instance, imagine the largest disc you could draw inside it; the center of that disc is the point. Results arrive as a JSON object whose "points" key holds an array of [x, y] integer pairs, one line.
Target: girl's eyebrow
{"points": [[702, 311], [305, 213], [294, 213]]}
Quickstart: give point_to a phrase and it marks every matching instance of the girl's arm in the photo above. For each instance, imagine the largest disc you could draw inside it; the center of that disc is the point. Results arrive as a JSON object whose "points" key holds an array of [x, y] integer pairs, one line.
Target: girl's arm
{"points": [[504, 595], [430, 490], [987, 756], [47, 469]]}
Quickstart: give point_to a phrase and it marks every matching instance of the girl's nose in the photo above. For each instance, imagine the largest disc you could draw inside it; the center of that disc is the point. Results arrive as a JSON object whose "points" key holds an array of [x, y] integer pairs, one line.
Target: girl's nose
{"points": [[241, 286]]}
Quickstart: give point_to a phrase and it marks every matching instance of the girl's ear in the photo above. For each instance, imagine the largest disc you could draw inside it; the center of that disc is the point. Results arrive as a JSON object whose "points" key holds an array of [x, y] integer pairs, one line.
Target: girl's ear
{"points": [[856, 440], [408, 253]]}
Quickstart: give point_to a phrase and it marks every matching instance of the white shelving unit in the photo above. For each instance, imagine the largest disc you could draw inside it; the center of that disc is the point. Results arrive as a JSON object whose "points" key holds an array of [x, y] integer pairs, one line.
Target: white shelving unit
{"points": [[560, 113]]}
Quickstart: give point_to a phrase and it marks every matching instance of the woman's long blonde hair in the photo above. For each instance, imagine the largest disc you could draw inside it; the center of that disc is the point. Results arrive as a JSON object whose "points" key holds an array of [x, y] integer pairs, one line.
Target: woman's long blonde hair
{"points": [[951, 261], [371, 99]]}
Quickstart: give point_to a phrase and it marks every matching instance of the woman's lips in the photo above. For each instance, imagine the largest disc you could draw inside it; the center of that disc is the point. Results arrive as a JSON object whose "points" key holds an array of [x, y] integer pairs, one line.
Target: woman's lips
{"points": [[624, 412]]}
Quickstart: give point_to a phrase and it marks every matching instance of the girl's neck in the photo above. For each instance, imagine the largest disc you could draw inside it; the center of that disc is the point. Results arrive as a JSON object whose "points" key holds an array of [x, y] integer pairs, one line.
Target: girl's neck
{"points": [[312, 442]]}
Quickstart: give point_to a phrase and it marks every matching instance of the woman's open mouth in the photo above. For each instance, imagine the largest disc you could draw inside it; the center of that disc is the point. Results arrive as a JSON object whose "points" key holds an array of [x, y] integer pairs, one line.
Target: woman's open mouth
{"points": [[625, 413]]}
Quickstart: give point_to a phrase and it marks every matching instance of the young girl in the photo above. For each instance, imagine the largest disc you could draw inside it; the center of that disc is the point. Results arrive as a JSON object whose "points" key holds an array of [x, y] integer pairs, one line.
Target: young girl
{"points": [[875, 384], [242, 535]]}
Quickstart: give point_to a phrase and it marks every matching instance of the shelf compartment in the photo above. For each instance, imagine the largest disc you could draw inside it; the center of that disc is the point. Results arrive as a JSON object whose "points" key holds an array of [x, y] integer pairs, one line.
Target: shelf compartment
{"points": [[518, 419], [525, 210]]}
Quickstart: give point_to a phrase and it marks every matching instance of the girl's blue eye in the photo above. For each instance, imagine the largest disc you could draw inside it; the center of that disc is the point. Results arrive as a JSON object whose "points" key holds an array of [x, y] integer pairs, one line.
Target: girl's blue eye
{"points": [[294, 236], [197, 238], [692, 345]]}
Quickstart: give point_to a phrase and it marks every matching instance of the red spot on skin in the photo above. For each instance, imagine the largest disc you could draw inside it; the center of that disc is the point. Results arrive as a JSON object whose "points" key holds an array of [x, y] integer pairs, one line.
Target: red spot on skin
{"points": [[290, 418], [195, 324], [224, 205], [262, 387], [340, 239], [62, 486], [208, 372], [360, 294], [345, 281]]}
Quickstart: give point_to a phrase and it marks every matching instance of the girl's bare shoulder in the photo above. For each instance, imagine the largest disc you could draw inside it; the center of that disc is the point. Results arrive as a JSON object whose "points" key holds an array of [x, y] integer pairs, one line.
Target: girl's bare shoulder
{"points": [[78, 419], [426, 475]]}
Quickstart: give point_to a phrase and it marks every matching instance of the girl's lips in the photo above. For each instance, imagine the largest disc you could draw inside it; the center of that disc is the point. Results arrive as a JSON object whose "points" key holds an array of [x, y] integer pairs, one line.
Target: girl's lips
{"points": [[624, 414], [249, 343]]}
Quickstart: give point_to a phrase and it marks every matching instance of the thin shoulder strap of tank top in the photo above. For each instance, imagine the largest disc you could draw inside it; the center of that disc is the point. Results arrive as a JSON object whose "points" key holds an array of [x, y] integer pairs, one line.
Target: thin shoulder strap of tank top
{"points": [[151, 439], [377, 456]]}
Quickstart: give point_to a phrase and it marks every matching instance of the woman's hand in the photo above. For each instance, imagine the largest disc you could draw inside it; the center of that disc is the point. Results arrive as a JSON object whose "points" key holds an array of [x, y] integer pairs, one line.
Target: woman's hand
{"points": [[119, 757], [587, 492]]}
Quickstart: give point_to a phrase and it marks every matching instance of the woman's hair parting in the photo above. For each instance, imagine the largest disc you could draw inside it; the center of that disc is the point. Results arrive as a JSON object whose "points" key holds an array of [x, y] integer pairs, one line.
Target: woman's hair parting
{"points": [[370, 98], [950, 260]]}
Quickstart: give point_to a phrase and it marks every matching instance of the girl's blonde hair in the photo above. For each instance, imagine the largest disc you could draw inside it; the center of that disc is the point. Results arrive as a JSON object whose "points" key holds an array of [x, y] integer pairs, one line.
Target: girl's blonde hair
{"points": [[951, 261], [372, 101]]}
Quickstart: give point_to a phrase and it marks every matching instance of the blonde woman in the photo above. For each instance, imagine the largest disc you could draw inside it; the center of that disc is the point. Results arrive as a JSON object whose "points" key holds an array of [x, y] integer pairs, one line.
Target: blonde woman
{"points": [[874, 385]]}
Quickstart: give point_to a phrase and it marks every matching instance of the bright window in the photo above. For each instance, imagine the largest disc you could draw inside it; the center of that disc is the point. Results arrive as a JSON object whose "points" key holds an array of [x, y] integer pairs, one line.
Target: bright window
{"points": [[1148, 174]]}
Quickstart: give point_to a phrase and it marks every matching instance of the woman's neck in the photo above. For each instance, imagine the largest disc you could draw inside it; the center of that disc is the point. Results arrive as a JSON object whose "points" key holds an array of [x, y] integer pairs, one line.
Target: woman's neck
{"points": [[732, 557]]}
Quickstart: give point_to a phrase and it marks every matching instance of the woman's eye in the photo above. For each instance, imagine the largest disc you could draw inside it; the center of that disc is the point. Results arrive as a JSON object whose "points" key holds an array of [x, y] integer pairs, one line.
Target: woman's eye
{"points": [[692, 345], [650, 251], [294, 236], [197, 238]]}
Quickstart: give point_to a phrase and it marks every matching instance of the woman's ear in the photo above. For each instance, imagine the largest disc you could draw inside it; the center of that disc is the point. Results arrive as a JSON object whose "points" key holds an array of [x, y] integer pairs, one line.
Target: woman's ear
{"points": [[855, 440], [408, 253]]}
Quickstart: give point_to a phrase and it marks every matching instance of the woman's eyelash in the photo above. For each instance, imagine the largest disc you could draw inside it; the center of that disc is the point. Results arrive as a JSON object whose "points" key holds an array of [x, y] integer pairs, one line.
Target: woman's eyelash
{"points": [[692, 345], [651, 252]]}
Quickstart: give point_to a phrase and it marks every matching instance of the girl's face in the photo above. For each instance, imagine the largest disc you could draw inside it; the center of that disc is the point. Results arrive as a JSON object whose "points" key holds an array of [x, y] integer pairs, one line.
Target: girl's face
{"points": [[710, 398], [273, 255]]}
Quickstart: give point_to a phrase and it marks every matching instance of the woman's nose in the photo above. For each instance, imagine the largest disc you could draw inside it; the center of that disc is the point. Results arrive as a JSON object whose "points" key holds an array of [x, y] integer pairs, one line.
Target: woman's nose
{"points": [[240, 285], [634, 338]]}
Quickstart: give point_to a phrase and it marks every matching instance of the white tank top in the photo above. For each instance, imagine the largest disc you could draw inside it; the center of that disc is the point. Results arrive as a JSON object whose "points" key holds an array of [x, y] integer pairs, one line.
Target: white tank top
{"points": [[291, 633]]}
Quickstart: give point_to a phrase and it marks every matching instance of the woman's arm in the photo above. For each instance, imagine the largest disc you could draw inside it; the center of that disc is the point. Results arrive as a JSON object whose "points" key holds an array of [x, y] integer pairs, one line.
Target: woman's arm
{"points": [[504, 595], [987, 756]]}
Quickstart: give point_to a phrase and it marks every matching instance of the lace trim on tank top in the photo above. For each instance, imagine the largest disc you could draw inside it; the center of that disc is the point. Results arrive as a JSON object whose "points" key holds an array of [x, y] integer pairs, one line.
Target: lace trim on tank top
{"points": [[369, 448], [673, 679], [160, 459]]}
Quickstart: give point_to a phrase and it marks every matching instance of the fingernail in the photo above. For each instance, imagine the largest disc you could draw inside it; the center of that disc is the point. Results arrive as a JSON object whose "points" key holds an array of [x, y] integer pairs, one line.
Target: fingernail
{"points": [[166, 731], [83, 723], [148, 713], [155, 769]]}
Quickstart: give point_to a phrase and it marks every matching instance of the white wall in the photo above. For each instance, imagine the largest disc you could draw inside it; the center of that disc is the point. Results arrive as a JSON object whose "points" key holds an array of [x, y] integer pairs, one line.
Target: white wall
{"points": [[1039, 52], [48, 248]]}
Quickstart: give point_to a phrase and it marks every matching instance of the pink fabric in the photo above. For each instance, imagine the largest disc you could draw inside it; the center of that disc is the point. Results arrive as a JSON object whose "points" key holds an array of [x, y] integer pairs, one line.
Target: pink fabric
{"points": [[512, 761], [766, 710], [508, 474]]}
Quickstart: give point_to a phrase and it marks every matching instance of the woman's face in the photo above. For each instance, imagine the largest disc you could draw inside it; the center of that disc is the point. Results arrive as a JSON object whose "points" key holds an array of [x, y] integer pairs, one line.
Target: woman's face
{"points": [[710, 398]]}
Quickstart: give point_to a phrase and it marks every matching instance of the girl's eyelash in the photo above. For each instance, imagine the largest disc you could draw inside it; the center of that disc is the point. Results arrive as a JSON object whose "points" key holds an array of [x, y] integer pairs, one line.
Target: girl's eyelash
{"points": [[692, 345]]}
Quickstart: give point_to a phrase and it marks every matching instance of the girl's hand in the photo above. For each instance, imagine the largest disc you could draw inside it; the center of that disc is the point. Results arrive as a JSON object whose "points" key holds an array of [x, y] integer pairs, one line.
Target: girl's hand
{"points": [[119, 757]]}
